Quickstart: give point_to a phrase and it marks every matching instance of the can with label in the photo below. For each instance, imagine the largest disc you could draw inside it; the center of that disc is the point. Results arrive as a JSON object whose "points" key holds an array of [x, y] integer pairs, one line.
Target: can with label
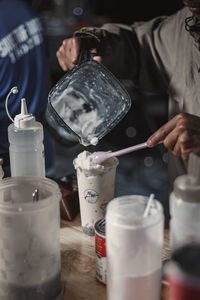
{"points": [[100, 249]]}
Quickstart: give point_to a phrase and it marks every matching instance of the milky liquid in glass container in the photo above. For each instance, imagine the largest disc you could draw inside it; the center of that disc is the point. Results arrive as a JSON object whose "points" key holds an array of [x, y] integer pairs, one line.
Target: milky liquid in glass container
{"points": [[30, 259], [134, 248]]}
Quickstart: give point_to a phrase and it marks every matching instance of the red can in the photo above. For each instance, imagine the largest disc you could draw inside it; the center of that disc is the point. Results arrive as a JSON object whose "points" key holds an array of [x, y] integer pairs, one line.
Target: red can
{"points": [[183, 272], [100, 249]]}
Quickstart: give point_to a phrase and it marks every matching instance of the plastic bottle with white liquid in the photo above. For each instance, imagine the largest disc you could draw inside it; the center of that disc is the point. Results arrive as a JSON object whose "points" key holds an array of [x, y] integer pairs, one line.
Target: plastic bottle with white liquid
{"points": [[184, 211], [26, 149]]}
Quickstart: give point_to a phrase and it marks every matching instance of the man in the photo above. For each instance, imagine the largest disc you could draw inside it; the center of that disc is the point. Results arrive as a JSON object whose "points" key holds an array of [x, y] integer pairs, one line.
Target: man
{"points": [[23, 64], [161, 55]]}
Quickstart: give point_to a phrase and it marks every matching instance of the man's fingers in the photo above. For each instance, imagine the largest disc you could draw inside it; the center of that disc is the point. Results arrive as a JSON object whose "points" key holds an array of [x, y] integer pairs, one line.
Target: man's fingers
{"points": [[185, 154], [181, 145], [73, 49], [181, 122], [61, 61], [171, 139], [185, 144], [160, 135], [68, 53], [98, 58]]}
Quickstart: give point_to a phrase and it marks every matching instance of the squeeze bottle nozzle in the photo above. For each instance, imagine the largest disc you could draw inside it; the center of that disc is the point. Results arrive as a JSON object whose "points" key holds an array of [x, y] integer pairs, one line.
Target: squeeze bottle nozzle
{"points": [[24, 119]]}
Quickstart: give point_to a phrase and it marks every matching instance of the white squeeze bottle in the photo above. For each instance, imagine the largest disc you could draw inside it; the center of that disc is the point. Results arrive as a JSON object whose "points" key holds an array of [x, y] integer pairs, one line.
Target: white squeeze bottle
{"points": [[26, 149]]}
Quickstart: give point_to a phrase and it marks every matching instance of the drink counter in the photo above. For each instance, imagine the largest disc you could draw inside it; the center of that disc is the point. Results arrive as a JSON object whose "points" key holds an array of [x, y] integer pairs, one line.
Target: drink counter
{"points": [[78, 262]]}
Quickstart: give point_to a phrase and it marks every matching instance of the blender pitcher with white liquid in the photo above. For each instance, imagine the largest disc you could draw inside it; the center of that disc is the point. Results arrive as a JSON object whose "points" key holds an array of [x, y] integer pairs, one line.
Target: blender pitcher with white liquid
{"points": [[30, 257]]}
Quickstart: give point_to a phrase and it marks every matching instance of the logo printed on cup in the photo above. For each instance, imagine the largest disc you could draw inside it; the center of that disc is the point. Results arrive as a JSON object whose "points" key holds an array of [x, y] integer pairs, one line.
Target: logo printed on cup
{"points": [[91, 196]]}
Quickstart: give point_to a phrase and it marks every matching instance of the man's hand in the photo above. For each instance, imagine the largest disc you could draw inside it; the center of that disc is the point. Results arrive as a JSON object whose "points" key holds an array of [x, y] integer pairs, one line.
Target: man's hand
{"points": [[68, 52], [181, 135]]}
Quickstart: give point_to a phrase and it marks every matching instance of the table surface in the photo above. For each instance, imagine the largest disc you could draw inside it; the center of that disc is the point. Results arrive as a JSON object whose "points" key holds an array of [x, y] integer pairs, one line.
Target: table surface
{"points": [[79, 262]]}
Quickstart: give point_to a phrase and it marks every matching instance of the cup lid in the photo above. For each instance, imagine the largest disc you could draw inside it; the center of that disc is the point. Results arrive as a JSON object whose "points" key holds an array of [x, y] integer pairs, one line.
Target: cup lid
{"points": [[129, 211], [187, 188]]}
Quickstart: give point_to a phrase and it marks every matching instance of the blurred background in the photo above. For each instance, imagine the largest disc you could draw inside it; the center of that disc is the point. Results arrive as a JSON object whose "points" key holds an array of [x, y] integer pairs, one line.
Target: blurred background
{"points": [[62, 17], [142, 172]]}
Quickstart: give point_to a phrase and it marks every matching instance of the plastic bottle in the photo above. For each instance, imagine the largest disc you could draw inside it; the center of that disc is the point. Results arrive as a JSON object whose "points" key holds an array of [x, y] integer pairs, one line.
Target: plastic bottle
{"points": [[184, 211], [26, 149]]}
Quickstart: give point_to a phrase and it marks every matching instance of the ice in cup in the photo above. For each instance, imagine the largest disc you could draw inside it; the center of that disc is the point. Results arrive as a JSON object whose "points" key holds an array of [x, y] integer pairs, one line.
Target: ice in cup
{"points": [[134, 248], [96, 187]]}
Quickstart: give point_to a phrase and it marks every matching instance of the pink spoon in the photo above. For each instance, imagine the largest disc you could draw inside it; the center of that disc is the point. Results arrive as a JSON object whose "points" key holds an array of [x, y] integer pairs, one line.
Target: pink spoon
{"points": [[100, 156]]}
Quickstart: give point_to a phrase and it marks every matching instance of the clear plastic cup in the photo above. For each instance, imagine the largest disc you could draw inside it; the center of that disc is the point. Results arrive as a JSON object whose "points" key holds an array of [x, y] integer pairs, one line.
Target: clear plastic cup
{"points": [[30, 257], [134, 248], [96, 187]]}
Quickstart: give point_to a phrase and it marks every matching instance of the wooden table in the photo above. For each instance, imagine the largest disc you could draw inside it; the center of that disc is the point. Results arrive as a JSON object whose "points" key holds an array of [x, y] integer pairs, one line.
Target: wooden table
{"points": [[78, 263]]}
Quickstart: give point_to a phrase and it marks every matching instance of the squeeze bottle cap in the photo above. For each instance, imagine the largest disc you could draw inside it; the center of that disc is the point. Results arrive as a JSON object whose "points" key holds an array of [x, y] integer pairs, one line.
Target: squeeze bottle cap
{"points": [[24, 119], [187, 188]]}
